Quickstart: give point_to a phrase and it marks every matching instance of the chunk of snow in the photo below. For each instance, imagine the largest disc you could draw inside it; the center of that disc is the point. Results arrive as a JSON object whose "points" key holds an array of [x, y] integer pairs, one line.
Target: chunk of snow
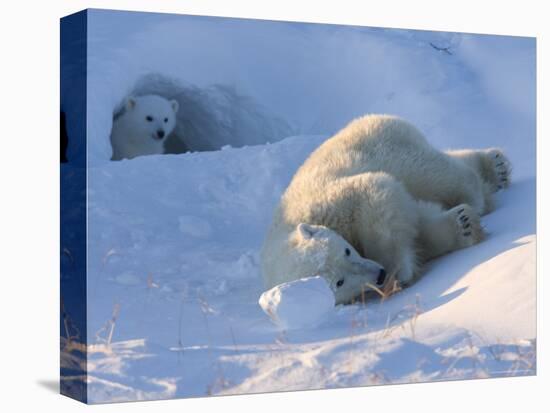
{"points": [[298, 304]]}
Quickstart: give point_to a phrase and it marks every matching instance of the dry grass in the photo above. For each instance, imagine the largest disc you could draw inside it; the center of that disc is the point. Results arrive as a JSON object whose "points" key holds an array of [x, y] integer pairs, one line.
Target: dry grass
{"points": [[220, 382], [108, 327], [72, 333], [391, 287]]}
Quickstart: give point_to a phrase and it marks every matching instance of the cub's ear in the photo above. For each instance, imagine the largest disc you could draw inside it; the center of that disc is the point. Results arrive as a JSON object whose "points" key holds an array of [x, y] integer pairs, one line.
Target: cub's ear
{"points": [[130, 103], [175, 105], [306, 231]]}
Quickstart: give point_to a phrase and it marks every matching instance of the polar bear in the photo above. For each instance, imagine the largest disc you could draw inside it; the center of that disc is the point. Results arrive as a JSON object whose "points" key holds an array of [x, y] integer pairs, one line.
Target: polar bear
{"points": [[214, 116], [377, 199], [142, 126]]}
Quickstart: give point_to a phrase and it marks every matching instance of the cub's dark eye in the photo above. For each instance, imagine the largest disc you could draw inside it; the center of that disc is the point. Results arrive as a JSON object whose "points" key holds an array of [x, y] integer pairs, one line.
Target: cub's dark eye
{"points": [[149, 118], [348, 252], [340, 283], [165, 120]]}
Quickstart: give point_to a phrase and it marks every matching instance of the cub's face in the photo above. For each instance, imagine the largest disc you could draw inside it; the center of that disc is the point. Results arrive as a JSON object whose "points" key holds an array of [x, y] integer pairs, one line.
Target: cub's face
{"points": [[155, 115], [327, 253]]}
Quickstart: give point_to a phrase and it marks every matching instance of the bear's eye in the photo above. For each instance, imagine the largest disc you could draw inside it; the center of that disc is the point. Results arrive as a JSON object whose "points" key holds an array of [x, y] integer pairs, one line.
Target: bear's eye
{"points": [[165, 120], [340, 283], [348, 252], [149, 118]]}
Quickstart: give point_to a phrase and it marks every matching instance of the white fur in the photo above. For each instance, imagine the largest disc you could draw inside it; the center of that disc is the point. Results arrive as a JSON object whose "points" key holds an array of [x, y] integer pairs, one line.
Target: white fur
{"points": [[378, 188], [143, 126]]}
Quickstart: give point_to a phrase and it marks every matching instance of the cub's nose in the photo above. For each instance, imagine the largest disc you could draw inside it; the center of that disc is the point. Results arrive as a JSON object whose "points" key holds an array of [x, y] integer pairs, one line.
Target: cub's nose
{"points": [[381, 277], [160, 133]]}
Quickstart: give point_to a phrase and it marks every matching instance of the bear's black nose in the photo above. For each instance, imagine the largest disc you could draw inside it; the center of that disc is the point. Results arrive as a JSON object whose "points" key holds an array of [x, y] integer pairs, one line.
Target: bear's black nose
{"points": [[160, 133], [381, 277]]}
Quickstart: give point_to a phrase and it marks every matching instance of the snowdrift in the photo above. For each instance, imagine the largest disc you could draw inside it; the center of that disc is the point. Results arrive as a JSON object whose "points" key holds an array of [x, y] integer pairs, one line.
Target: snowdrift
{"points": [[174, 248]]}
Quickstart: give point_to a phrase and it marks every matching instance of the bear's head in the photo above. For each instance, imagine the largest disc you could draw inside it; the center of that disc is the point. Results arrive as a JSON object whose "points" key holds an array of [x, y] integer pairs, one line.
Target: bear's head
{"points": [[153, 114], [325, 252]]}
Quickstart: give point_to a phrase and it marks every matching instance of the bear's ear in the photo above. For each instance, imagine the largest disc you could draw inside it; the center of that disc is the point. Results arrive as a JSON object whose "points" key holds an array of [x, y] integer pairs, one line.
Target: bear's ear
{"points": [[306, 231], [130, 103], [175, 105]]}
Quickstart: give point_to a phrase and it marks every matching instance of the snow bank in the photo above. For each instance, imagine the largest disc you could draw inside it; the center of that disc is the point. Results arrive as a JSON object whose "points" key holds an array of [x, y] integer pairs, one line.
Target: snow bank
{"points": [[316, 78], [174, 244]]}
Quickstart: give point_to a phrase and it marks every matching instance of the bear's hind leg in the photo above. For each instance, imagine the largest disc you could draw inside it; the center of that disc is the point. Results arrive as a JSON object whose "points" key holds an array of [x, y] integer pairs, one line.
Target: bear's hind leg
{"points": [[497, 169], [441, 232], [492, 166]]}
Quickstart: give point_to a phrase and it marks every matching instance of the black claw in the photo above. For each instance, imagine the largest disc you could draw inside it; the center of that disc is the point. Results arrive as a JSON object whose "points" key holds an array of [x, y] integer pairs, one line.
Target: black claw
{"points": [[499, 164], [467, 234], [497, 155], [466, 226], [460, 211]]}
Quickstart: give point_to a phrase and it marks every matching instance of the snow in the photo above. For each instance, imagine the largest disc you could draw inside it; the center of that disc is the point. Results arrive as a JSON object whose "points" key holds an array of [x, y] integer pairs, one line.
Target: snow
{"points": [[299, 304], [174, 240]]}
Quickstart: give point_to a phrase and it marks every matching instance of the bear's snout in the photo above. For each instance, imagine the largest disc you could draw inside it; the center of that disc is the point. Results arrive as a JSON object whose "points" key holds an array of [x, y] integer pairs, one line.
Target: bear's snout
{"points": [[160, 134], [381, 277]]}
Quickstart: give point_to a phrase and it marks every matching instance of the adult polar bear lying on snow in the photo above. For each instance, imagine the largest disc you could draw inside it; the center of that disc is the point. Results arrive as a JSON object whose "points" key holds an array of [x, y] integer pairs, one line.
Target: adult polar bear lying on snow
{"points": [[377, 199]]}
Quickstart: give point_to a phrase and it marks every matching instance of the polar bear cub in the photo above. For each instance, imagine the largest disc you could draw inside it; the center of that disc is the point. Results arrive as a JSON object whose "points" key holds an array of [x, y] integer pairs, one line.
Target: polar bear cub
{"points": [[377, 199], [142, 126]]}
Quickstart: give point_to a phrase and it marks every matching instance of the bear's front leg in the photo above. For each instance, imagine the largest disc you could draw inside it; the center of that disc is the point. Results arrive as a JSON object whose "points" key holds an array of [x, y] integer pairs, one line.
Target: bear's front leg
{"points": [[407, 268], [467, 226], [441, 232]]}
